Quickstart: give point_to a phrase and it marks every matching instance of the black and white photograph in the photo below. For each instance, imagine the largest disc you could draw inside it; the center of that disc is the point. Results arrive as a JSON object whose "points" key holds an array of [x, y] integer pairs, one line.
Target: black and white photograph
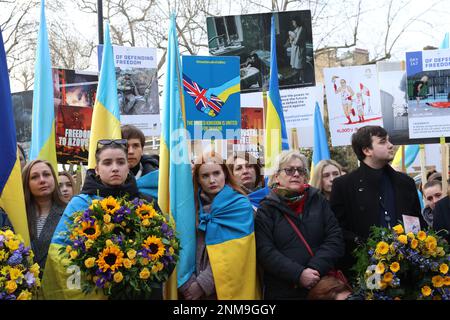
{"points": [[248, 36]]}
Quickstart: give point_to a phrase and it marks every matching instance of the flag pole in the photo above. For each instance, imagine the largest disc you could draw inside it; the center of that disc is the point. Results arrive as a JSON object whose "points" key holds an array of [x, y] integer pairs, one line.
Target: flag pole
{"points": [[100, 21], [444, 157]]}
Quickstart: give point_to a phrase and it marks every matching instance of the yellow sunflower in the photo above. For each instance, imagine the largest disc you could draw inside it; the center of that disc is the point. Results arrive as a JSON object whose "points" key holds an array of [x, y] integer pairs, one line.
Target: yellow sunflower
{"points": [[88, 230], [443, 268], [155, 246], [388, 276], [437, 281], [110, 258], [426, 291], [110, 205], [414, 243], [380, 268], [395, 266], [421, 235], [447, 281], [382, 248], [398, 229], [146, 211], [403, 239]]}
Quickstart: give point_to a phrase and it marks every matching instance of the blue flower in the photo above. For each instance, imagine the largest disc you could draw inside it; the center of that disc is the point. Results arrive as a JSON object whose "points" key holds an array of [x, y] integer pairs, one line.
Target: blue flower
{"points": [[30, 279], [15, 259]]}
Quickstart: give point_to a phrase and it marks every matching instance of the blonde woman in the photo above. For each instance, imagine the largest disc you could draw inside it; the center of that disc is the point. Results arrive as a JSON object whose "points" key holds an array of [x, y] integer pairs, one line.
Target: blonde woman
{"points": [[324, 174], [298, 239]]}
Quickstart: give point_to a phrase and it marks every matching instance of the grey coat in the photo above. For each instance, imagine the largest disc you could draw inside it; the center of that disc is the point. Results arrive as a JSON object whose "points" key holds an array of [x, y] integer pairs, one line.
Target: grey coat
{"points": [[41, 244]]}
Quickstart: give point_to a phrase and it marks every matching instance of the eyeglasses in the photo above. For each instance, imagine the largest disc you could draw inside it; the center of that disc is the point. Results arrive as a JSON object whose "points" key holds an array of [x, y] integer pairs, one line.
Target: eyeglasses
{"points": [[106, 142], [291, 171]]}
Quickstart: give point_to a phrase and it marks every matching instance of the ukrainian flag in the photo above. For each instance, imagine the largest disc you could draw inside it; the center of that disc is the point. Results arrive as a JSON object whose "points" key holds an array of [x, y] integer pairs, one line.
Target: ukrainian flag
{"points": [[43, 144], [11, 192], [276, 137], [227, 89], [106, 116], [230, 242], [320, 150], [176, 191], [411, 152]]}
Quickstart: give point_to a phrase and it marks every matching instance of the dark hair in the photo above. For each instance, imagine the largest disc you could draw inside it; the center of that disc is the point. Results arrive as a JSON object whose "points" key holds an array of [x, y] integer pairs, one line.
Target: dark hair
{"points": [[131, 132], [328, 288], [362, 139], [110, 146], [254, 162]]}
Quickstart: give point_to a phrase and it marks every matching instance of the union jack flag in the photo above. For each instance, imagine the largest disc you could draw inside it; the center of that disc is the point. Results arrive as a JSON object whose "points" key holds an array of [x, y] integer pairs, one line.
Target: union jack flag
{"points": [[209, 106]]}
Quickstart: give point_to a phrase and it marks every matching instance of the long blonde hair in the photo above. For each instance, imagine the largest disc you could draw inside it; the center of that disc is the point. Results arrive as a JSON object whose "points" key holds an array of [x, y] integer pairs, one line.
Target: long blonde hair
{"points": [[316, 180]]}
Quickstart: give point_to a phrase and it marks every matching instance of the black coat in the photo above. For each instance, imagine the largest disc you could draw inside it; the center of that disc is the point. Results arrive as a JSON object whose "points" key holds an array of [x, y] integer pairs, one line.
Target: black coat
{"points": [[5, 224], [355, 201], [280, 252], [149, 164], [441, 216]]}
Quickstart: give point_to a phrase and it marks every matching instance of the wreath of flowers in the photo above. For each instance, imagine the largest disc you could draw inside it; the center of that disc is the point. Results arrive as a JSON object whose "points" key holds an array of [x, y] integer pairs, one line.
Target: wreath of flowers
{"points": [[394, 265], [126, 248], [19, 275]]}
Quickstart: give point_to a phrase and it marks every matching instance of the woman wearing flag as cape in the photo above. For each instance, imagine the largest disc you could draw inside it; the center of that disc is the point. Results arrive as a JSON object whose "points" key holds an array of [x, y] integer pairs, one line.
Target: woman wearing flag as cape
{"points": [[226, 254]]}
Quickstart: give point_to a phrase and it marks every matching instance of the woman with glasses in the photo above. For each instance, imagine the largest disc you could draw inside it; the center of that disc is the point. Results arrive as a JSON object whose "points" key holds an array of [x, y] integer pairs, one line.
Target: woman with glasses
{"points": [[44, 204], [324, 174], [110, 177], [298, 239], [225, 250]]}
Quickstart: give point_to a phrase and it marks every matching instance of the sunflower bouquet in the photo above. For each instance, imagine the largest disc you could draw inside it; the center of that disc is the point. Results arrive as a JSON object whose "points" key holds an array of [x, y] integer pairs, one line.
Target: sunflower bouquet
{"points": [[394, 265], [125, 248], [19, 275]]}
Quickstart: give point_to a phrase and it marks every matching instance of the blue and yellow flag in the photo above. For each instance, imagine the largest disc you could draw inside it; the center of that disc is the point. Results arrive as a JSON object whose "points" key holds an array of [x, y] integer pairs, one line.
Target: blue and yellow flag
{"points": [[230, 242], [276, 136], [411, 152], [320, 150], [43, 145], [106, 116], [11, 192], [176, 191]]}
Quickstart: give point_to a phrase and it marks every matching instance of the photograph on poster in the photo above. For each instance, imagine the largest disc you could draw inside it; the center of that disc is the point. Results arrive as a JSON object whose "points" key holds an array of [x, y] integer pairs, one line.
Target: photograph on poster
{"points": [[394, 103], [74, 98], [248, 36], [353, 100], [137, 87], [22, 106], [428, 89]]}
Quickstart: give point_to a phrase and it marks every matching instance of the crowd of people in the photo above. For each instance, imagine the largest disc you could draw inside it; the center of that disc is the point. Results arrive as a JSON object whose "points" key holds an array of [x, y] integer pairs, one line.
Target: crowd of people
{"points": [[302, 232]]}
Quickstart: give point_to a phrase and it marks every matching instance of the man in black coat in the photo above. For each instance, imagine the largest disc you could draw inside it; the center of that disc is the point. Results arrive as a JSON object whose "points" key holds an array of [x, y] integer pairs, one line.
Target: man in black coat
{"points": [[374, 194], [441, 219], [138, 163]]}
